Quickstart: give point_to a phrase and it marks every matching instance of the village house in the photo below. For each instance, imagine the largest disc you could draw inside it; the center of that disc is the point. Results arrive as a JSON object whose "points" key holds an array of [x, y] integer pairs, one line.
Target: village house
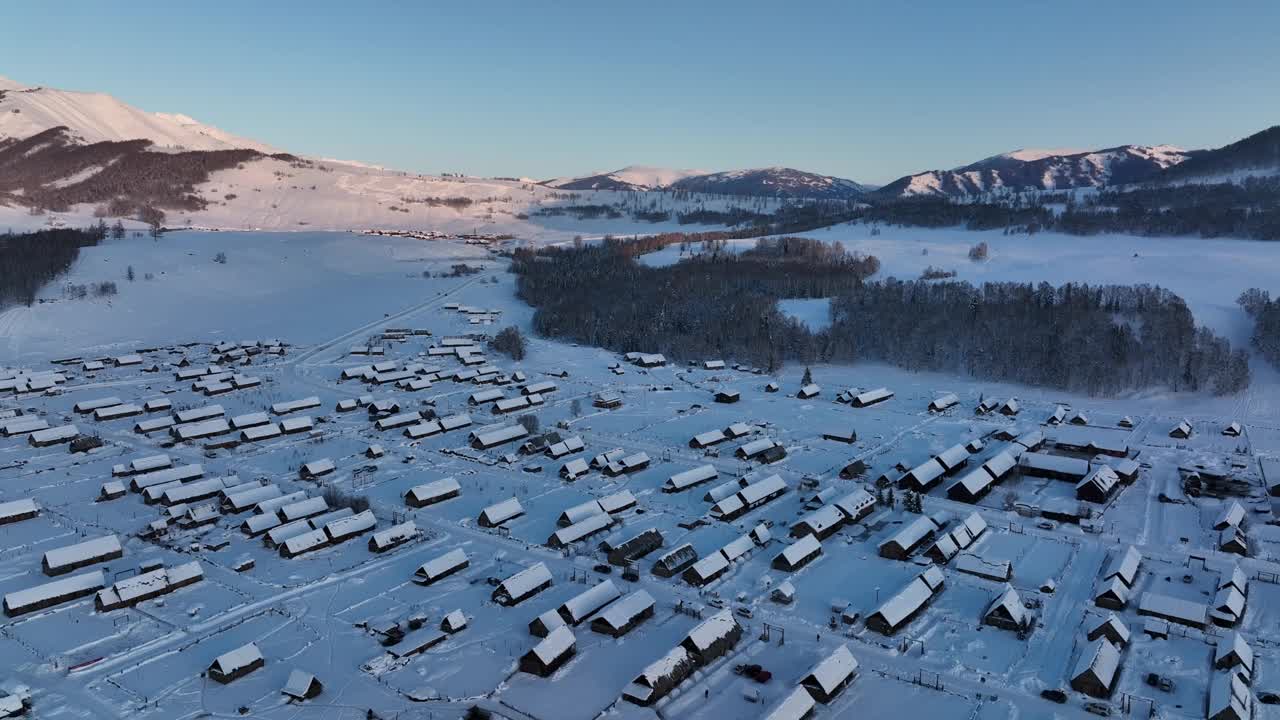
{"points": [[1096, 671], [237, 663]]}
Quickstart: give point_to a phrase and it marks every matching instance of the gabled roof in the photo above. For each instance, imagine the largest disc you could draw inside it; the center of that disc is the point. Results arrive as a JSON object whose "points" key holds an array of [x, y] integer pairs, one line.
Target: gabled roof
{"points": [[1008, 603], [1116, 625], [833, 670], [1100, 658], [1124, 566], [1233, 645]]}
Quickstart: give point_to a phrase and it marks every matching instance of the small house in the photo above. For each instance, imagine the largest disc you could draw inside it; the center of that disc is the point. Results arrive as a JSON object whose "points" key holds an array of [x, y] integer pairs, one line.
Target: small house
{"points": [[1007, 611], [236, 663], [301, 686], [1096, 671]]}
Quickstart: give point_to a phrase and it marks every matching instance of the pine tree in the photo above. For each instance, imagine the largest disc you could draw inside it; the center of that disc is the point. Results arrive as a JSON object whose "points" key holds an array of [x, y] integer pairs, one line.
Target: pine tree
{"points": [[808, 377]]}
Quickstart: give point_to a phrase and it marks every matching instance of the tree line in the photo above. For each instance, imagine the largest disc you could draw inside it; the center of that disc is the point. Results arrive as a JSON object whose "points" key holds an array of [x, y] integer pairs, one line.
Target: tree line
{"points": [[1266, 322], [1247, 209], [29, 261], [1096, 340]]}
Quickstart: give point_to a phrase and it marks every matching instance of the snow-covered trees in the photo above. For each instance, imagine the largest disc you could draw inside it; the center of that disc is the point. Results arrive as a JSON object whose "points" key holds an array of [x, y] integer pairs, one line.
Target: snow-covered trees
{"points": [[509, 342], [1266, 317]]}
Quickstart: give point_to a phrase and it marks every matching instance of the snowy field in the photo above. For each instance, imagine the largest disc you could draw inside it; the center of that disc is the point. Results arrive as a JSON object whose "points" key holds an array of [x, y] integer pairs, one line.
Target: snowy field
{"points": [[326, 611]]}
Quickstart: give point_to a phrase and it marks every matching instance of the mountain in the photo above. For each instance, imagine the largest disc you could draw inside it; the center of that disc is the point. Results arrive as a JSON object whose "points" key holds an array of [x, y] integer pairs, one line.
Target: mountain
{"points": [[768, 182], [1023, 170], [96, 117], [630, 178], [1257, 154], [773, 182]]}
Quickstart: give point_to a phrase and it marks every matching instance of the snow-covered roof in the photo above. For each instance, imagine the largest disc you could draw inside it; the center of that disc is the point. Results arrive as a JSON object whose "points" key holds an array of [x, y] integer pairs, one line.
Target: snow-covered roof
{"points": [[241, 657], [691, 477], [303, 542], [796, 705], [582, 605], [1167, 606], [710, 437], [833, 670], [246, 499], [82, 552], [1228, 696], [444, 563], [394, 534], [490, 438], [757, 491], [621, 612], [975, 524], [303, 508], [912, 533], [82, 584], [524, 582], [282, 408], [952, 456], [62, 433], [1234, 644], [299, 684], [710, 631], [556, 643], [656, 671], [1101, 658], [434, 489], [905, 602], [872, 396], [927, 472], [1125, 566], [617, 502], [1054, 463], [800, 549], [823, 518], [349, 526], [501, 512], [588, 526], [1011, 603], [1232, 516], [710, 565], [200, 413], [1116, 625], [738, 547], [942, 402], [15, 508], [755, 447], [855, 502]]}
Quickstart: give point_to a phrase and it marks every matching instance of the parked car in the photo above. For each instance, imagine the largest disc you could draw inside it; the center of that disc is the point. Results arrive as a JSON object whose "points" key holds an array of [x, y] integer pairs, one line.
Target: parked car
{"points": [[1098, 708], [1054, 695], [603, 568], [1159, 681]]}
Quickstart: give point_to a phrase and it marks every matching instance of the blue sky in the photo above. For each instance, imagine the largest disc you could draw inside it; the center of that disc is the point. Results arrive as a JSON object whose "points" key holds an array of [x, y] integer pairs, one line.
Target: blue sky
{"points": [[869, 91]]}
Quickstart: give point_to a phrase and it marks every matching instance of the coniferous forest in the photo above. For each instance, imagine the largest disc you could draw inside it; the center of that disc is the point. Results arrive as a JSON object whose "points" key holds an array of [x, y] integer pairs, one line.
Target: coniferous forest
{"points": [[1099, 340], [29, 260]]}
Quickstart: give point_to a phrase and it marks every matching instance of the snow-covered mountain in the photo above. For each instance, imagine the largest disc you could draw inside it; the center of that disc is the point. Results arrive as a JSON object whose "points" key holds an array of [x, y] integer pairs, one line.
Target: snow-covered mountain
{"points": [[97, 117], [767, 182], [632, 177], [773, 182], [1023, 170]]}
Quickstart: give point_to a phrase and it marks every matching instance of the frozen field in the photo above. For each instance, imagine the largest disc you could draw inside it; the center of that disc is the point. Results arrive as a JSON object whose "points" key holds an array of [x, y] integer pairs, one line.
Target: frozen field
{"points": [[332, 609]]}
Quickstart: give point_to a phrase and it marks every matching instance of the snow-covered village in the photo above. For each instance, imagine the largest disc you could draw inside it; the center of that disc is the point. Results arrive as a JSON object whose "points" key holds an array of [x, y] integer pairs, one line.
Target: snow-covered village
{"points": [[284, 436]]}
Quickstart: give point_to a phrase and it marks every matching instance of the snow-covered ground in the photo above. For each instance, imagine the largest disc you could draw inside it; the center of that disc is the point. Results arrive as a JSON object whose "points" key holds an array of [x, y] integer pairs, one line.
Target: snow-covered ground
{"points": [[326, 293]]}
